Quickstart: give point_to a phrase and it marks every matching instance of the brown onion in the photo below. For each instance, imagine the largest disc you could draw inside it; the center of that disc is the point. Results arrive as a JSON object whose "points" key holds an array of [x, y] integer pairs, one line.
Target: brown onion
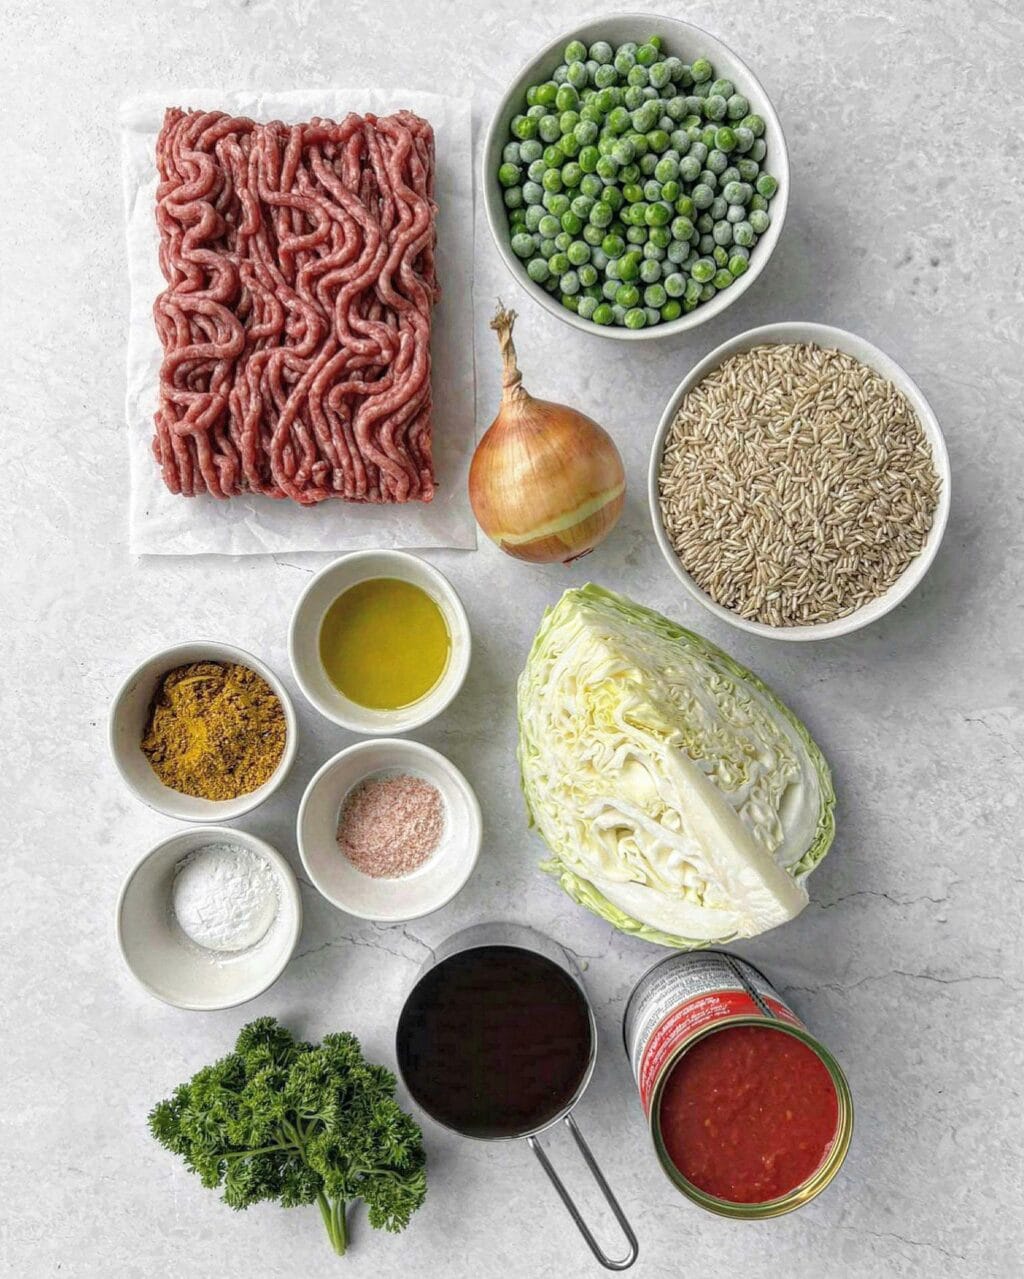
{"points": [[546, 482]]}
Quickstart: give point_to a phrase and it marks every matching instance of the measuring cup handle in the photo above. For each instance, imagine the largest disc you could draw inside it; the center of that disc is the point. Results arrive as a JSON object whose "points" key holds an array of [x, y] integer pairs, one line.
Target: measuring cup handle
{"points": [[574, 1212]]}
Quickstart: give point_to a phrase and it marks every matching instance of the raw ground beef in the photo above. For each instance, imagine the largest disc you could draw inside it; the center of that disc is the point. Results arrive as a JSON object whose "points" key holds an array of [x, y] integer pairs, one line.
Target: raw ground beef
{"points": [[299, 262]]}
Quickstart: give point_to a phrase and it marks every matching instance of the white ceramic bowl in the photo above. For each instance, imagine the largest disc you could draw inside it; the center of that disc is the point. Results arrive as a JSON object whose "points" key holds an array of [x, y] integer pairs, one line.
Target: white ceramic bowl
{"points": [[426, 889], [166, 964], [128, 717], [688, 42], [838, 339], [304, 640]]}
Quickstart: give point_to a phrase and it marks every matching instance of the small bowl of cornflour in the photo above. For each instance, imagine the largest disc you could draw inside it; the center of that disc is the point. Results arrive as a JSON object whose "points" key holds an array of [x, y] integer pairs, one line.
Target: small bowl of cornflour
{"points": [[209, 918]]}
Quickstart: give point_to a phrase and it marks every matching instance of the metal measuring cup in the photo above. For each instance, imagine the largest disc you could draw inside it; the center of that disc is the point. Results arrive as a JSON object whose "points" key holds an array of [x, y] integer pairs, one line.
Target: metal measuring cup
{"points": [[518, 937]]}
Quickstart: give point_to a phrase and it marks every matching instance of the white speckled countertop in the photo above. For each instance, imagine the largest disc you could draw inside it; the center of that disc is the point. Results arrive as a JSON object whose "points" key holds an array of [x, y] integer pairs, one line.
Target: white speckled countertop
{"points": [[904, 226]]}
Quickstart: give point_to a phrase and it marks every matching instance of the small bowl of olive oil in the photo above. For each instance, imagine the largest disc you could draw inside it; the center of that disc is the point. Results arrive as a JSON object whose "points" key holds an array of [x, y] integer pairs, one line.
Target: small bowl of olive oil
{"points": [[380, 642]]}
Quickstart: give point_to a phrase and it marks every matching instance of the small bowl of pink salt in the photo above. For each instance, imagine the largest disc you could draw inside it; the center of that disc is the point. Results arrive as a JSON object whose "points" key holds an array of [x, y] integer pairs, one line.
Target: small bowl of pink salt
{"points": [[389, 830]]}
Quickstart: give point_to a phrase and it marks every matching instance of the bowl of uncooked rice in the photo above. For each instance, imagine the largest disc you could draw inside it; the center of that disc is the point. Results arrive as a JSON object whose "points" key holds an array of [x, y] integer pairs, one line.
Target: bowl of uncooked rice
{"points": [[799, 482]]}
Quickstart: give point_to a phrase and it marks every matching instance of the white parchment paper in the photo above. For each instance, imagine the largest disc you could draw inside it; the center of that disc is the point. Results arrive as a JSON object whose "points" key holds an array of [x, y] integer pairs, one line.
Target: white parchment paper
{"points": [[161, 523]]}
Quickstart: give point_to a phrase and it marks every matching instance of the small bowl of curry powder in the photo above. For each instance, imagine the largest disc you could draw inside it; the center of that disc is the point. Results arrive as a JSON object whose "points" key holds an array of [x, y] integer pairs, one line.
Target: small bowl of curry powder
{"points": [[203, 731]]}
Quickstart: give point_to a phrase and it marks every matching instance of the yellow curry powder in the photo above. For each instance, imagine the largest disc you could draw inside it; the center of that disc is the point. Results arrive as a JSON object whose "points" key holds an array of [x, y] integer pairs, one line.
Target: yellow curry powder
{"points": [[215, 730]]}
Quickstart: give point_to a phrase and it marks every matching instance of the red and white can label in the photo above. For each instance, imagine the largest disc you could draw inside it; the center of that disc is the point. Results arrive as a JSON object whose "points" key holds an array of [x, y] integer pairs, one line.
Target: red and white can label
{"points": [[681, 997]]}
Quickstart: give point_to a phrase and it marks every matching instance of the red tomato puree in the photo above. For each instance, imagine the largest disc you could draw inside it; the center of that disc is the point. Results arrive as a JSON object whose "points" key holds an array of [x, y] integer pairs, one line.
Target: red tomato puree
{"points": [[748, 1114]]}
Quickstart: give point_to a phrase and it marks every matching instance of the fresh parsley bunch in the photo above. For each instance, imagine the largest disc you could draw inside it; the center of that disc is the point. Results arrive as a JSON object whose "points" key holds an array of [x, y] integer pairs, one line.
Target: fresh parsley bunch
{"points": [[300, 1123]]}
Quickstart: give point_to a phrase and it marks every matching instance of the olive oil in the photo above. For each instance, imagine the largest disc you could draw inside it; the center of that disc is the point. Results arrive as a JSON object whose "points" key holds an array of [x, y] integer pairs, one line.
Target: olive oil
{"points": [[384, 643]]}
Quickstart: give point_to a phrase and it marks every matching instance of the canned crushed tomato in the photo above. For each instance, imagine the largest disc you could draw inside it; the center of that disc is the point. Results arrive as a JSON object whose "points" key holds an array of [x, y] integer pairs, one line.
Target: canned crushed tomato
{"points": [[754, 1126]]}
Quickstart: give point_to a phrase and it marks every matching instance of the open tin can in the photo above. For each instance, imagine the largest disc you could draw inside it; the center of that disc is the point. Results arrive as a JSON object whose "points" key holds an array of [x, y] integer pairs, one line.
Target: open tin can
{"points": [[497, 1040], [677, 1005]]}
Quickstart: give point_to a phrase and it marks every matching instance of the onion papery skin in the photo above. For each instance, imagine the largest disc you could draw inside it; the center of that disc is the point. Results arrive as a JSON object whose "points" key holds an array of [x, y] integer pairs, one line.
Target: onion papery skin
{"points": [[546, 483]]}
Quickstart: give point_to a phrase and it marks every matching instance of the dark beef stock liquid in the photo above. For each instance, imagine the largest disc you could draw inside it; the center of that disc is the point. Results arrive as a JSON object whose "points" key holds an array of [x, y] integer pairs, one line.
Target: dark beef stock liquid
{"points": [[494, 1041]]}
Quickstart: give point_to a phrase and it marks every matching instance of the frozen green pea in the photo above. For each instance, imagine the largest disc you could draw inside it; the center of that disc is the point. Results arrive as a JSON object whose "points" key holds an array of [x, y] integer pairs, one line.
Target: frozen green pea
{"points": [[534, 213], [562, 241], [704, 223], [708, 179], [718, 209], [601, 214], [629, 173], [576, 75], [744, 140], [653, 252], [559, 263], [591, 66], [571, 224], [575, 51], [675, 109], [552, 180], [660, 75], [659, 236], [598, 257], [658, 141], [655, 295], [605, 76], [682, 228], [677, 252], [652, 189], [701, 70], [632, 97], [624, 61], [653, 316], [619, 120], [707, 135], [677, 68], [685, 206], [619, 312], [737, 192], [623, 151], [627, 295], [603, 314], [592, 234], [735, 213], [530, 150], [720, 255], [699, 151], [629, 265], [637, 234], [722, 233], [717, 161], [549, 226], [672, 310], [689, 168], [650, 270], [570, 301], [533, 193], [723, 278], [613, 245], [758, 151], [524, 245], [538, 270], [572, 174], [670, 191], [589, 110], [758, 201], [585, 133], [569, 282], [760, 221], [567, 98], [754, 123], [738, 264], [612, 196], [607, 169], [586, 308], [536, 171], [512, 153], [536, 112], [702, 195], [513, 197], [581, 205], [635, 318], [633, 192], [737, 106], [706, 244], [731, 174], [648, 163], [567, 122], [747, 170], [714, 107], [707, 292], [658, 214], [554, 156], [766, 186], [703, 270], [556, 202], [587, 270], [743, 233], [588, 158], [725, 139], [509, 174], [722, 88], [601, 52], [546, 248], [675, 284], [667, 169]]}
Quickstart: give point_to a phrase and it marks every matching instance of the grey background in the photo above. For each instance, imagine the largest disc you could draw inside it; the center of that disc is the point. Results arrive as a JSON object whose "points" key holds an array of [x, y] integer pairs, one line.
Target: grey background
{"points": [[904, 226]]}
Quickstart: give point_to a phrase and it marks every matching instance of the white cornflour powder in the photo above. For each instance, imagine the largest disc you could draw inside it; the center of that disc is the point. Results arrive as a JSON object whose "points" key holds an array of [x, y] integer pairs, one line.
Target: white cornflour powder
{"points": [[225, 897]]}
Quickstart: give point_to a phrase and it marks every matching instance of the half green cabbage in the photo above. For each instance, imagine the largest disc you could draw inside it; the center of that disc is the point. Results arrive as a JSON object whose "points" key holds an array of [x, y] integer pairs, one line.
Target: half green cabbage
{"points": [[680, 799]]}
